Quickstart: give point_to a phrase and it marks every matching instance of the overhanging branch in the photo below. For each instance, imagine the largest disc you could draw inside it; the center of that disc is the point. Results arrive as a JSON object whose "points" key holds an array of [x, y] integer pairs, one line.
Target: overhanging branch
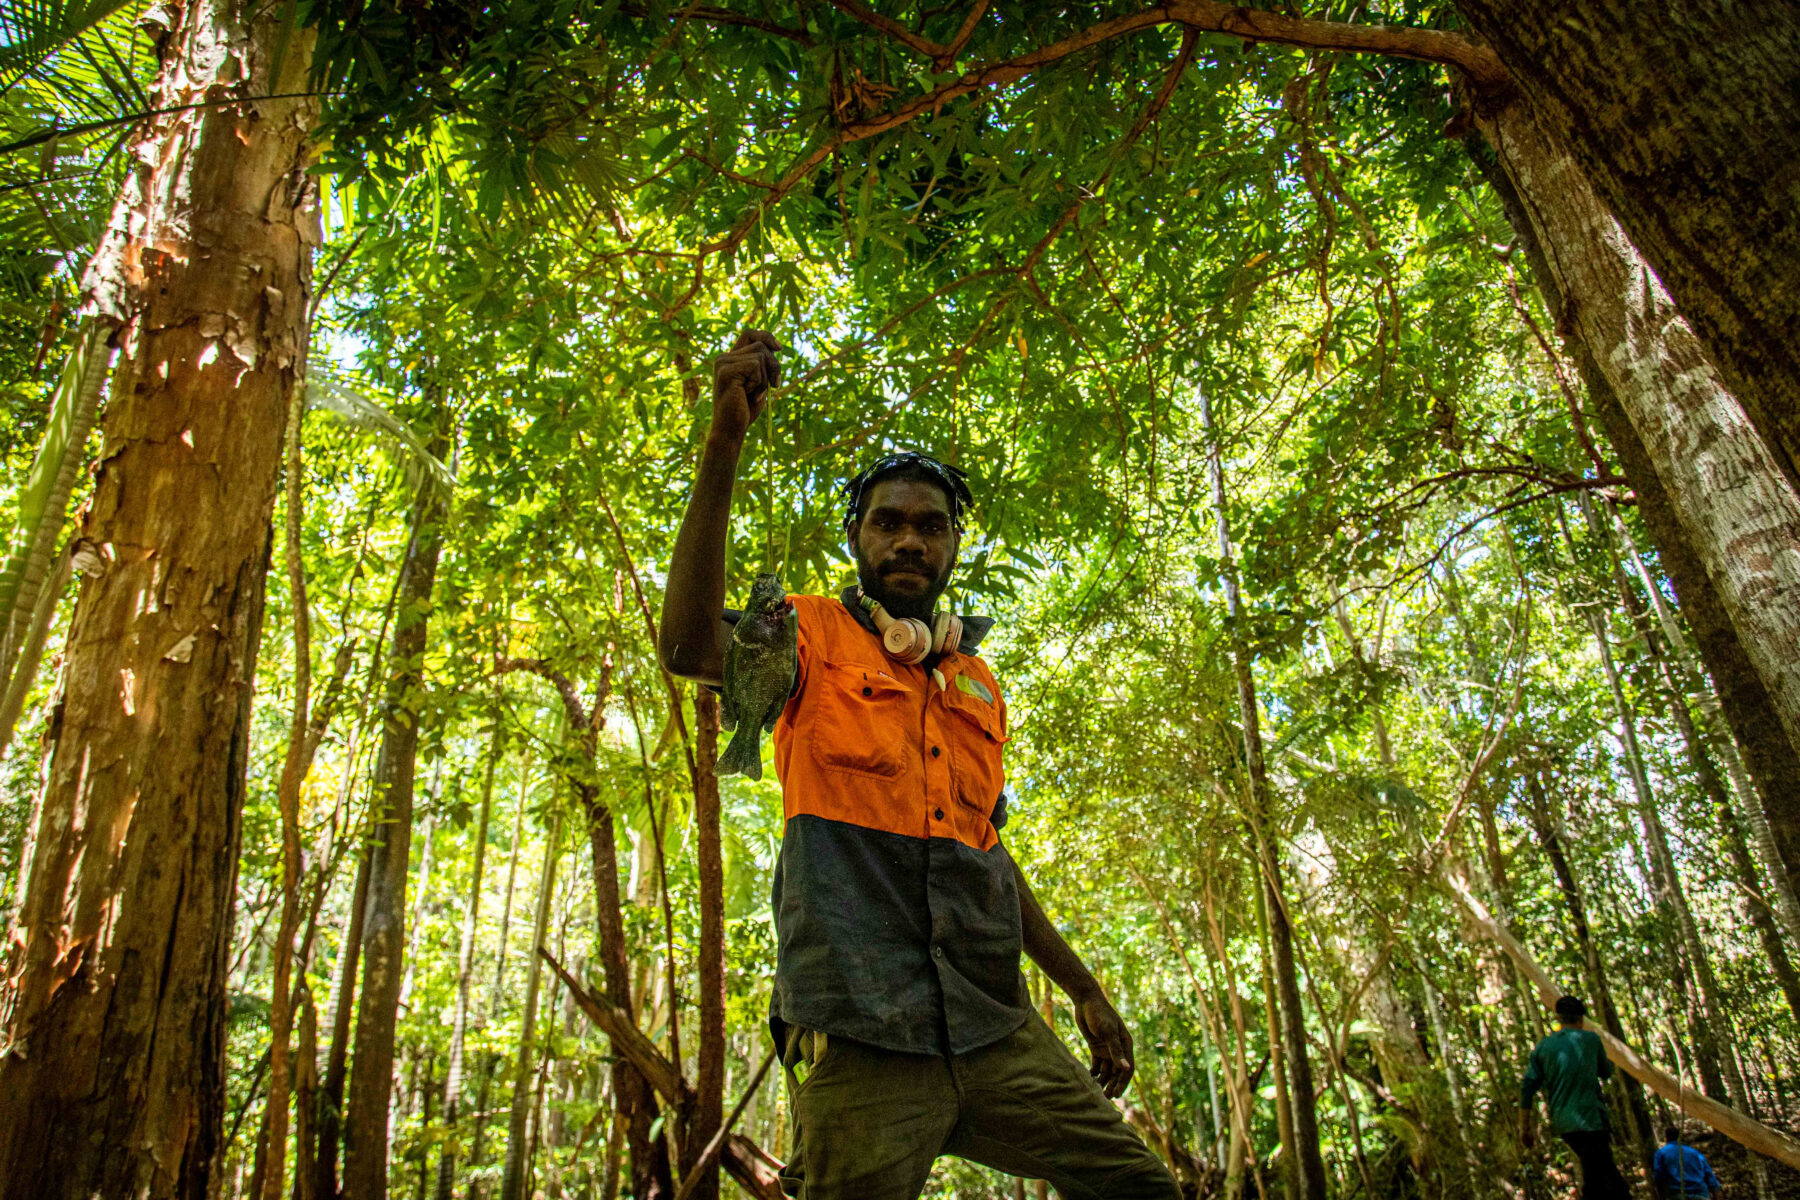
{"points": [[1478, 63]]}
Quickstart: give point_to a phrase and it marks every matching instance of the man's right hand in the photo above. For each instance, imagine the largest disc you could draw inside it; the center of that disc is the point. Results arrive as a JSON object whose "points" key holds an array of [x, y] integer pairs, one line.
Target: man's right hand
{"points": [[1527, 1130], [742, 377]]}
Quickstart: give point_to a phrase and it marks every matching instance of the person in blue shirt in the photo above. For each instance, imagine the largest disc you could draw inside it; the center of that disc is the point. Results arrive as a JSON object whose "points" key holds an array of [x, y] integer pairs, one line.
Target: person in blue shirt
{"points": [[1682, 1172], [1567, 1067]]}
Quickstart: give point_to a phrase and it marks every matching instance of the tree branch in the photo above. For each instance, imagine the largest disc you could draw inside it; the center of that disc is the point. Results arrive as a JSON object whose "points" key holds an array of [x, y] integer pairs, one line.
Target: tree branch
{"points": [[892, 28], [1479, 63], [572, 706], [748, 1163]]}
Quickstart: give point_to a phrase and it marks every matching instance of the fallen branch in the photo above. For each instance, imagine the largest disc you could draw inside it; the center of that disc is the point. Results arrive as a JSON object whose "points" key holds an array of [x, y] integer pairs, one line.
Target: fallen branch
{"points": [[626, 1038], [749, 1164], [1746, 1131]]}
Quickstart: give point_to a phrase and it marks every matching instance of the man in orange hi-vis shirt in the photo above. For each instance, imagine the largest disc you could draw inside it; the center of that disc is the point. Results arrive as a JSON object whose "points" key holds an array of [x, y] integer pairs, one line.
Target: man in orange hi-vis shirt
{"points": [[903, 1020]]}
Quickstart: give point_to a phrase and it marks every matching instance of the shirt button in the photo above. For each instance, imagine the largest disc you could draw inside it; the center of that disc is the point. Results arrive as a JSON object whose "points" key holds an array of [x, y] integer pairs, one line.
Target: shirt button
{"points": [[935, 752], [937, 952], [937, 814], [868, 691]]}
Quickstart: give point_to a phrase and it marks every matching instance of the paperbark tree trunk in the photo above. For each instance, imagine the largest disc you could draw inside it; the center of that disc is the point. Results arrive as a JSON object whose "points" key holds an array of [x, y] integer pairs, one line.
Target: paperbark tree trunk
{"points": [[1736, 510], [384, 917], [118, 965], [1685, 124]]}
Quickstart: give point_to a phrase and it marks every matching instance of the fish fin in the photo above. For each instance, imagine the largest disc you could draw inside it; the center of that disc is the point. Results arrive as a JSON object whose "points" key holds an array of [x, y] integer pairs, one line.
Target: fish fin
{"points": [[727, 715], [743, 756], [768, 724]]}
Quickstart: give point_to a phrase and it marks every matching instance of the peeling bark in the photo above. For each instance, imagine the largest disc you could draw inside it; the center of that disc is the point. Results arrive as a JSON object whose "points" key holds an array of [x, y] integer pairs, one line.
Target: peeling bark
{"points": [[118, 963]]}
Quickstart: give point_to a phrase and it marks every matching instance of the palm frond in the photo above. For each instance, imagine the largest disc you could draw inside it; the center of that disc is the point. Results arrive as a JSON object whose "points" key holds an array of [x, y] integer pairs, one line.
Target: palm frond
{"points": [[33, 31], [352, 404]]}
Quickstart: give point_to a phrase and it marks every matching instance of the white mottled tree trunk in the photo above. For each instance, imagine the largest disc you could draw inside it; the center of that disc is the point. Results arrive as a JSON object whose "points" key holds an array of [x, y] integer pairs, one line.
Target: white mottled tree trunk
{"points": [[1738, 510]]}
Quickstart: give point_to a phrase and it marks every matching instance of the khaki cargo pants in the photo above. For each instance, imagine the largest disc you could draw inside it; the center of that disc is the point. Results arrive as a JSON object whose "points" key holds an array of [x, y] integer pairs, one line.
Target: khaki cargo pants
{"points": [[868, 1123]]}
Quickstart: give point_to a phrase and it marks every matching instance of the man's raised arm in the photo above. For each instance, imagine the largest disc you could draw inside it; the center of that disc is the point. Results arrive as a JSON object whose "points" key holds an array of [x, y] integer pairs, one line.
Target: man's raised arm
{"points": [[692, 638]]}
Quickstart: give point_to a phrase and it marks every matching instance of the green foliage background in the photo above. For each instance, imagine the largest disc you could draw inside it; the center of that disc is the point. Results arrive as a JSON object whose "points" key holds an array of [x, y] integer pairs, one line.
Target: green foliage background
{"points": [[553, 213]]}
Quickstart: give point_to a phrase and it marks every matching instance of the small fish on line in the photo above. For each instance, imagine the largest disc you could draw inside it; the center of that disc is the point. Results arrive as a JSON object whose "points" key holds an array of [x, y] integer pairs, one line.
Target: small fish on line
{"points": [[761, 663]]}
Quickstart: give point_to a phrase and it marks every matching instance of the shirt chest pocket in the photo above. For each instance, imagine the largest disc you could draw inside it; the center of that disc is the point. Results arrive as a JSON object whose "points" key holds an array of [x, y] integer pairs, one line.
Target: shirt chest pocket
{"points": [[977, 734], [863, 720]]}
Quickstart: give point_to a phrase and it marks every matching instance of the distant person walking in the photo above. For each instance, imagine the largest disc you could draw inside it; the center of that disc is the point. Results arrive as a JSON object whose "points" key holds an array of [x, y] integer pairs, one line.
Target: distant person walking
{"points": [[1682, 1172], [1567, 1067]]}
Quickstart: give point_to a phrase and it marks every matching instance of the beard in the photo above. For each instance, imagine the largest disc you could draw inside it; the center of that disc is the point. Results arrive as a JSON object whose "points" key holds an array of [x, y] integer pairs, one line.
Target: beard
{"points": [[919, 606]]}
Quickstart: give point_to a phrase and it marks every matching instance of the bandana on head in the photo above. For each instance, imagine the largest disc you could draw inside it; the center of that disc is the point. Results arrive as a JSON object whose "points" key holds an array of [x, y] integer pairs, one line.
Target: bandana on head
{"points": [[954, 481]]}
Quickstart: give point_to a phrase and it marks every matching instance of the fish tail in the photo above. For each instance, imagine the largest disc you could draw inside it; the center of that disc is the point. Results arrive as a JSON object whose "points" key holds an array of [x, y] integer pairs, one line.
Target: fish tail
{"points": [[744, 755]]}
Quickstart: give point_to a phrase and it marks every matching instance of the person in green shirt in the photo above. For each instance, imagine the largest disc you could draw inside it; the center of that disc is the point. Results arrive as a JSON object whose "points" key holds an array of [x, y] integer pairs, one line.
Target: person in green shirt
{"points": [[1568, 1067]]}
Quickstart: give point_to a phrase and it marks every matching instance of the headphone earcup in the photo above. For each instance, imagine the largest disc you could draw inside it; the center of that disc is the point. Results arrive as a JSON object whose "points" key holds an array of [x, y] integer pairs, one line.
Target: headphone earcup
{"points": [[908, 640], [947, 633]]}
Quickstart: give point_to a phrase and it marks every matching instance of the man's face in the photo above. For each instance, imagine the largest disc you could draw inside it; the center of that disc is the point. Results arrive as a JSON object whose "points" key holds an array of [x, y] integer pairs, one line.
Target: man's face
{"points": [[905, 546]]}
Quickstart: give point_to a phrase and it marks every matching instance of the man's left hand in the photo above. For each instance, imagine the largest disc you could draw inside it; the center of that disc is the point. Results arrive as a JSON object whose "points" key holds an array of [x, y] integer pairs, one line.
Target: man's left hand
{"points": [[1108, 1041]]}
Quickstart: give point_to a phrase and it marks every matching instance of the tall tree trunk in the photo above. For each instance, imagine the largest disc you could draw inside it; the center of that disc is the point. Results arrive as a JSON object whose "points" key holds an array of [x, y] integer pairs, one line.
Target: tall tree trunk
{"points": [[709, 1086], [1310, 1165], [1750, 799], [337, 1055], [633, 1098], [1545, 826], [384, 918], [1284, 1102], [465, 966], [1712, 786], [1685, 127], [512, 883], [116, 1034], [306, 1094], [1242, 1099], [512, 1179], [1738, 512], [303, 741], [1671, 898]]}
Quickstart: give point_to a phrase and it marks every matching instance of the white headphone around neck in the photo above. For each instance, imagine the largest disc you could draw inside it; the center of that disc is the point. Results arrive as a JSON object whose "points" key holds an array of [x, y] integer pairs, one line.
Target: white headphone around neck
{"points": [[907, 638]]}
